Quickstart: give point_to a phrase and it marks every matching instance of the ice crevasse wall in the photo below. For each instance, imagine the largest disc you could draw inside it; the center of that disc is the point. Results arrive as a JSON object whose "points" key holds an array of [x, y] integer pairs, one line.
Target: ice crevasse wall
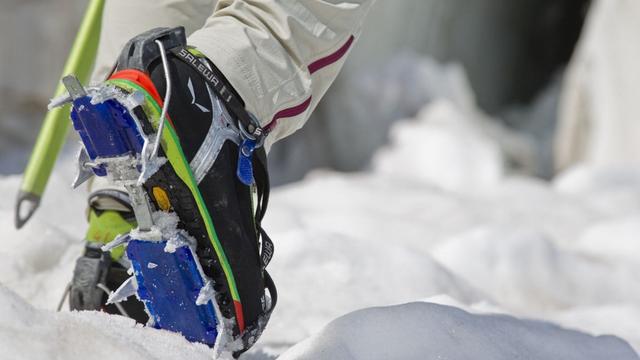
{"points": [[599, 107], [594, 102]]}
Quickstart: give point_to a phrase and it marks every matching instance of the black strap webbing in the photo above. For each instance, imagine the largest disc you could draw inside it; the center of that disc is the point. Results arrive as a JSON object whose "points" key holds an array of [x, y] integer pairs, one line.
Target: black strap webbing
{"points": [[261, 177], [220, 86]]}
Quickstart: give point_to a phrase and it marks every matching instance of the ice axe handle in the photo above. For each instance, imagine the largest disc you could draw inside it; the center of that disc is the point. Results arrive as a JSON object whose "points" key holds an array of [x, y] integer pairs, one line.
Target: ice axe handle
{"points": [[55, 125]]}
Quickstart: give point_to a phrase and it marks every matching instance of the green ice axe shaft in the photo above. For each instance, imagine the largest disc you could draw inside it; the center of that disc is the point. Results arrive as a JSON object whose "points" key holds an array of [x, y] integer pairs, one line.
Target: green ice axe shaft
{"points": [[56, 123]]}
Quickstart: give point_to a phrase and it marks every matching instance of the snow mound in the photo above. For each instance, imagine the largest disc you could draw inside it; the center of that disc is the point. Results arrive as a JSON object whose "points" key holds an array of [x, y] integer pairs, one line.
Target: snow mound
{"points": [[617, 239], [37, 261], [610, 189], [28, 333], [333, 274], [526, 270], [443, 146], [425, 330]]}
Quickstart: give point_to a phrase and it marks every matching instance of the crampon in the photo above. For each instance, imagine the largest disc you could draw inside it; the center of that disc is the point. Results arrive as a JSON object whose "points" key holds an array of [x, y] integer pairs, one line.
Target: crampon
{"points": [[197, 267]]}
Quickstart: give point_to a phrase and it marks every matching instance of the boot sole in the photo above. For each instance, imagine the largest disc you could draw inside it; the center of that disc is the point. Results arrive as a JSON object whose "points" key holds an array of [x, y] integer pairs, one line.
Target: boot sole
{"points": [[178, 183]]}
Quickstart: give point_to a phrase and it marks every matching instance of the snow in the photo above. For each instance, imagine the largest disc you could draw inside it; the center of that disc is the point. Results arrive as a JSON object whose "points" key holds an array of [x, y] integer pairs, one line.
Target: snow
{"points": [[29, 333], [425, 330], [498, 243], [446, 149], [438, 219]]}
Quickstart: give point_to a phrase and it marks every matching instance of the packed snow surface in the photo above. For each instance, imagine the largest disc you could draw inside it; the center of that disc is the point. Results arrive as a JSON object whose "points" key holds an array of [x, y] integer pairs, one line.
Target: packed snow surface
{"points": [[431, 331], [415, 230], [29, 333]]}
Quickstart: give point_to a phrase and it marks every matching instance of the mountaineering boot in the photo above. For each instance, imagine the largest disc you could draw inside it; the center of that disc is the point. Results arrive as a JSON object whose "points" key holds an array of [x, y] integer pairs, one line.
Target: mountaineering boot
{"points": [[197, 186]]}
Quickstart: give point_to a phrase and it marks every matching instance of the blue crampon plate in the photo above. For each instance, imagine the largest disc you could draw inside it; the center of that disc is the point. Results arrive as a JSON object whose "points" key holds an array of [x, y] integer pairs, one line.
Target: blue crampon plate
{"points": [[169, 284], [106, 129]]}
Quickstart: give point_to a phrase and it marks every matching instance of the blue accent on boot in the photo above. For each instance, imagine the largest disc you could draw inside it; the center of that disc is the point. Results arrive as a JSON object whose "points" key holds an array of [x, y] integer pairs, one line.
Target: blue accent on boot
{"points": [[245, 164]]}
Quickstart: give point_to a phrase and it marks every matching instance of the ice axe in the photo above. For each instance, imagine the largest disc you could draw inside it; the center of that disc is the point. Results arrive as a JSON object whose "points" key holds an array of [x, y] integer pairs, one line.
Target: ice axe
{"points": [[56, 123]]}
